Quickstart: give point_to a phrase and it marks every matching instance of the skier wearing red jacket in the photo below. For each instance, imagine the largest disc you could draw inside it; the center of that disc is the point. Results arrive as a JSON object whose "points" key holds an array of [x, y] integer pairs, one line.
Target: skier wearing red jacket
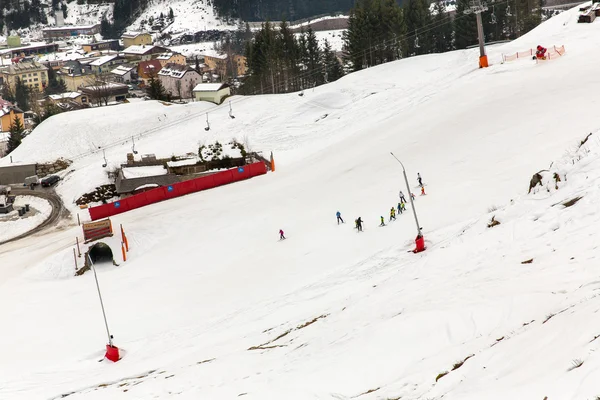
{"points": [[541, 52]]}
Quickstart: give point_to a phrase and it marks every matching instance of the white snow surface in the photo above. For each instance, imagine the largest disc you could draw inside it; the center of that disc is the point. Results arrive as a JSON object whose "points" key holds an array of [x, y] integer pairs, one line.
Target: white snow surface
{"points": [[12, 226], [211, 305]]}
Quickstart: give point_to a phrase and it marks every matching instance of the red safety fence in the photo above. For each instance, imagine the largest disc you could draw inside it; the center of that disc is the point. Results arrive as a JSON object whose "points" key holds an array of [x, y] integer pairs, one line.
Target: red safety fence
{"points": [[177, 189], [552, 53]]}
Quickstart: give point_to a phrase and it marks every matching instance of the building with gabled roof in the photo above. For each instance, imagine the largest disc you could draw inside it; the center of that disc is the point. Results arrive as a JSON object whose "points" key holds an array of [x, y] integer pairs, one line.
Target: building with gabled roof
{"points": [[136, 39], [171, 58], [142, 52], [33, 74], [213, 92], [8, 113], [179, 80], [148, 69]]}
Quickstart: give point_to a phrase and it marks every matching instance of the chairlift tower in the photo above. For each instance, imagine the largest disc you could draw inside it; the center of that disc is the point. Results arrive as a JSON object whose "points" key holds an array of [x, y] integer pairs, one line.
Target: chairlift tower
{"points": [[477, 8]]}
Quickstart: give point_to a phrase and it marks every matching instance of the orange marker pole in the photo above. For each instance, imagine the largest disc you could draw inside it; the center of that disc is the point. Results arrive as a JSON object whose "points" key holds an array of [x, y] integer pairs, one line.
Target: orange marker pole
{"points": [[123, 252]]}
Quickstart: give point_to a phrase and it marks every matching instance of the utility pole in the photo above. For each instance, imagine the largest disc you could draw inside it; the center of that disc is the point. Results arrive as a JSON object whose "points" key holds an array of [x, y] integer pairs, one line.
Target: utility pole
{"points": [[477, 8], [412, 203]]}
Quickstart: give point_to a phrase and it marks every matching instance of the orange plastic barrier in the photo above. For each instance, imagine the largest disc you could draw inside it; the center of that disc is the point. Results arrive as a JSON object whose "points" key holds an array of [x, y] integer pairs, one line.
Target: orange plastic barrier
{"points": [[552, 53]]}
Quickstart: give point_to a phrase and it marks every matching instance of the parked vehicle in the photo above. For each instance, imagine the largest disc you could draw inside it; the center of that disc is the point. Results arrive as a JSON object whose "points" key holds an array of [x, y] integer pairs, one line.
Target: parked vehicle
{"points": [[32, 180], [50, 180]]}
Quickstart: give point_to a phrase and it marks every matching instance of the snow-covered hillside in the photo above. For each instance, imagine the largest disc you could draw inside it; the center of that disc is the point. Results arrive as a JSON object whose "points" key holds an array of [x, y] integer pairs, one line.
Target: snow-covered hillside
{"points": [[211, 305], [189, 16]]}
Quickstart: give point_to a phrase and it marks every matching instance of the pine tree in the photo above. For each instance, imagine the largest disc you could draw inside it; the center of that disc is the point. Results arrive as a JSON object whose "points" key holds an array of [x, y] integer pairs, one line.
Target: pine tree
{"points": [[376, 33], [55, 84], [313, 56], [156, 90], [15, 136], [465, 26], [331, 64], [171, 14], [418, 24], [22, 95], [442, 34]]}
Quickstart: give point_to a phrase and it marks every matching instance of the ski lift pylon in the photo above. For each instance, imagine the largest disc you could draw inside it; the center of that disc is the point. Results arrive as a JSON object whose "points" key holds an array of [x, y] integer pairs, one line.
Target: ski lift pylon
{"points": [[231, 111], [207, 124]]}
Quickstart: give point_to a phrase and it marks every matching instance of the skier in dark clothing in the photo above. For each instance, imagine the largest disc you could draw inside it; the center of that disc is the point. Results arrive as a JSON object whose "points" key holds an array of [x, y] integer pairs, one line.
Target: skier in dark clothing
{"points": [[419, 179], [281, 235], [339, 217], [359, 224]]}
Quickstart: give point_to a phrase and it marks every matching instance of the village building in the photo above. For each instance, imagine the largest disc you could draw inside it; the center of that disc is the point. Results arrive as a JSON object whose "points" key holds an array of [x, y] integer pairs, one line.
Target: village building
{"points": [[147, 70], [136, 39], [124, 73], [32, 49], [57, 60], [142, 52], [179, 80], [33, 74], [3, 143], [106, 64], [171, 58], [213, 92], [103, 93], [64, 32], [100, 46], [8, 113], [221, 64], [69, 98], [75, 74]]}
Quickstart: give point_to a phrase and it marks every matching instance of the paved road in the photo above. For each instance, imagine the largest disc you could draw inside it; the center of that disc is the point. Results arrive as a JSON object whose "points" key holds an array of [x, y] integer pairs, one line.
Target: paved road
{"points": [[58, 209]]}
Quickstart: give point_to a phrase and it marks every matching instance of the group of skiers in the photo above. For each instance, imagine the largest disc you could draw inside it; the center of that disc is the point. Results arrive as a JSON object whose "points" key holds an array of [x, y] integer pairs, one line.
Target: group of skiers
{"points": [[358, 222]]}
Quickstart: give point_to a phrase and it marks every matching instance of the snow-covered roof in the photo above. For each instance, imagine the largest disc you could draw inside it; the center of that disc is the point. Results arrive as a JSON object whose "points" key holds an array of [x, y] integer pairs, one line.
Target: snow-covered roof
{"points": [[175, 70], [66, 95], [183, 163], [146, 186], [139, 49], [71, 27], [133, 34], [122, 70], [142, 172], [166, 56], [103, 60], [210, 87], [70, 55]]}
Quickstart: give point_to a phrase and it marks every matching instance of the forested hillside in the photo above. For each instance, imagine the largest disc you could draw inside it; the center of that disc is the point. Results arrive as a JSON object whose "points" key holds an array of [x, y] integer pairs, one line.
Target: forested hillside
{"points": [[262, 10]]}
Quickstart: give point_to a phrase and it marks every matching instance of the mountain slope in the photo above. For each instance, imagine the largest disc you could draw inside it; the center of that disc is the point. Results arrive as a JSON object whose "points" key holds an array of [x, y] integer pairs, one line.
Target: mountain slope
{"points": [[211, 305]]}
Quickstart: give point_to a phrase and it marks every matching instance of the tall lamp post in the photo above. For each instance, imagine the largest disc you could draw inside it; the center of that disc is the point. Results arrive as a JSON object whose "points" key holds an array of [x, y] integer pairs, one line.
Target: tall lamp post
{"points": [[419, 241], [112, 352]]}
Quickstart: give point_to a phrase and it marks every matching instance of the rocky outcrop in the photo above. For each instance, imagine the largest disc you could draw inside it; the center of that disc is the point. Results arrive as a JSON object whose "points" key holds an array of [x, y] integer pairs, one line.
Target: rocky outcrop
{"points": [[42, 170]]}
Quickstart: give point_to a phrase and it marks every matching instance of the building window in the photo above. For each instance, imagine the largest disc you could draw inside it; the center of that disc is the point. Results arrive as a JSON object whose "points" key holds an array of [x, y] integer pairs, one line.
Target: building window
{"points": [[35, 79]]}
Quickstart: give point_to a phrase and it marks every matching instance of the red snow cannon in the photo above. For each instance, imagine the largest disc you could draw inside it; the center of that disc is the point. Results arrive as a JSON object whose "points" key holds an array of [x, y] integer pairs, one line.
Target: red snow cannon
{"points": [[112, 353], [420, 244]]}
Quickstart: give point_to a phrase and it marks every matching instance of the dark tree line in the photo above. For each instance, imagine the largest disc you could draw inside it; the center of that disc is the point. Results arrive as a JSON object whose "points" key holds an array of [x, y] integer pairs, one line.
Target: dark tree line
{"points": [[124, 12], [264, 10], [16, 14], [280, 62], [380, 30]]}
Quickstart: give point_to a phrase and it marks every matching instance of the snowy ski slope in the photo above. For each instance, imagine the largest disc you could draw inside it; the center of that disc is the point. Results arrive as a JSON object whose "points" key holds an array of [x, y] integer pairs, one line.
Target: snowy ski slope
{"points": [[211, 305]]}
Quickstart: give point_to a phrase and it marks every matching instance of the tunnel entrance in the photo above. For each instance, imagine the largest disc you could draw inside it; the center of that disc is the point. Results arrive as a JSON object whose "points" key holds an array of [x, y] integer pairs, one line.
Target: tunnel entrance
{"points": [[101, 252]]}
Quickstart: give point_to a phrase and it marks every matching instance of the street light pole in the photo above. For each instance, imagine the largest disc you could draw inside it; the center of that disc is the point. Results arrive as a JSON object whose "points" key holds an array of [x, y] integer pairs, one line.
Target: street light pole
{"points": [[412, 204], [101, 302]]}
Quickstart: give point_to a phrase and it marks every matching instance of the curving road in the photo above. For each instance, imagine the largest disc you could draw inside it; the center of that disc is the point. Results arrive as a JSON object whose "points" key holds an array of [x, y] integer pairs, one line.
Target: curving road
{"points": [[58, 209]]}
